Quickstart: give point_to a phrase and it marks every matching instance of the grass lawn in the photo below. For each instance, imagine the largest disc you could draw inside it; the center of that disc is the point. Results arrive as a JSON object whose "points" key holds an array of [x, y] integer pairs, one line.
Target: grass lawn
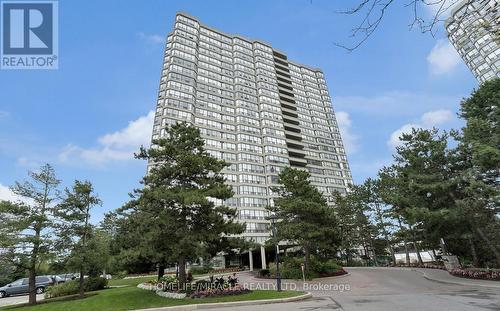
{"points": [[131, 297]]}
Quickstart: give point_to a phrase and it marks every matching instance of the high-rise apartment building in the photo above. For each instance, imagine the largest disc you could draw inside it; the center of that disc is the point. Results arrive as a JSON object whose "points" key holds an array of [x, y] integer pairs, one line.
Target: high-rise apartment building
{"points": [[255, 109], [474, 29]]}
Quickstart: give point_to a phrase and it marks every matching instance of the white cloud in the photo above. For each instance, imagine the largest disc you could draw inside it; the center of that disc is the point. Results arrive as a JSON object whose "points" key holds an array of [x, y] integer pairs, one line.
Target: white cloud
{"points": [[7, 195], [152, 38], [427, 120], [395, 104], [441, 7], [345, 126], [116, 146], [443, 58], [437, 117]]}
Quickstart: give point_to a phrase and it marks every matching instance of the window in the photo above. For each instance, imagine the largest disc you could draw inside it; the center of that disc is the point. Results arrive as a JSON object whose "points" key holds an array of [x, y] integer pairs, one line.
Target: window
{"points": [[253, 214], [252, 179], [277, 150], [252, 190], [253, 168], [253, 227], [249, 138], [253, 202], [250, 148], [231, 177], [245, 157]]}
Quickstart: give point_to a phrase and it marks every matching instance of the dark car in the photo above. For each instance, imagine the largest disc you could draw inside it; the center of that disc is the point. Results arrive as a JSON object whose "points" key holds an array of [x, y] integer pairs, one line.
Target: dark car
{"points": [[21, 286]]}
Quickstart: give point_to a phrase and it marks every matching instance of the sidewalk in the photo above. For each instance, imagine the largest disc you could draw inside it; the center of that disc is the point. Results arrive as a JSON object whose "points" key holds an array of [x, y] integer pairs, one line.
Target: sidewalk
{"points": [[444, 277]]}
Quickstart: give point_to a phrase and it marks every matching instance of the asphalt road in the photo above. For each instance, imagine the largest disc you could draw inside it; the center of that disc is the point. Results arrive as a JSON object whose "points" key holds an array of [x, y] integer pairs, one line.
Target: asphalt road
{"points": [[384, 289], [14, 300]]}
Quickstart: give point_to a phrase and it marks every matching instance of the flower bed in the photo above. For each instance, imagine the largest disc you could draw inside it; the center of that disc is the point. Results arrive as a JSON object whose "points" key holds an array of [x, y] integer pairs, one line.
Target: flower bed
{"points": [[480, 275], [147, 286], [224, 270], [433, 266], [216, 292]]}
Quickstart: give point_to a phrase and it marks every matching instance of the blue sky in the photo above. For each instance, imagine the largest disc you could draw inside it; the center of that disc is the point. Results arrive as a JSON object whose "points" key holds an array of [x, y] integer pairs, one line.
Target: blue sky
{"points": [[87, 117]]}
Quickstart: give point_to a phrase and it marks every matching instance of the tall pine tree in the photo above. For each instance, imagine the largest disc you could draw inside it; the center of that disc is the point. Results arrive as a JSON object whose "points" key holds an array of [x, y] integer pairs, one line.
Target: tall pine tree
{"points": [[26, 226], [177, 202]]}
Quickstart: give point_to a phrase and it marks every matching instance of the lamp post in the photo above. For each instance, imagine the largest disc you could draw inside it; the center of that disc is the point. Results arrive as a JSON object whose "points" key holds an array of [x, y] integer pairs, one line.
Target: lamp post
{"points": [[273, 219]]}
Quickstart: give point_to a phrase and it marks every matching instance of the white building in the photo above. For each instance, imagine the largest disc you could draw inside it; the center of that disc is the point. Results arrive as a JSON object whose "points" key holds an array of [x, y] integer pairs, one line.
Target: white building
{"points": [[474, 31], [255, 109]]}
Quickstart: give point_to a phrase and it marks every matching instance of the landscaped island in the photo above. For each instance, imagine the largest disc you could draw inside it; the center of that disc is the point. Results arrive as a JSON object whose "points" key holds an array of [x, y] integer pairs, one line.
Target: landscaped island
{"points": [[131, 297]]}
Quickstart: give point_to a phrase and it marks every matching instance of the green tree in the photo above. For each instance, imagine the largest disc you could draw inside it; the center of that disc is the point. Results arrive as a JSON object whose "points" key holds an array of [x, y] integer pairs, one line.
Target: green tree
{"points": [[367, 196], [74, 230], [177, 202], [478, 165], [304, 215], [26, 230]]}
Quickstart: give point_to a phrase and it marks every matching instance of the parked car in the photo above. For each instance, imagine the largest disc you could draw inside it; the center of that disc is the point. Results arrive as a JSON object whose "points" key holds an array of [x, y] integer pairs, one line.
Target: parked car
{"points": [[21, 286], [106, 276], [68, 277]]}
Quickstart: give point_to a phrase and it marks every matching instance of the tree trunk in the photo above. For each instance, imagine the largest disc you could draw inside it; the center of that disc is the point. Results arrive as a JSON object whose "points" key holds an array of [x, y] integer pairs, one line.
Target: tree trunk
{"points": [[182, 273], [161, 271], [417, 250], [86, 228], [32, 269], [81, 285], [405, 243], [386, 234], [306, 259], [475, 260], [375, 262], [415, 245], [32, 285], [392, 254], [490, 244]]}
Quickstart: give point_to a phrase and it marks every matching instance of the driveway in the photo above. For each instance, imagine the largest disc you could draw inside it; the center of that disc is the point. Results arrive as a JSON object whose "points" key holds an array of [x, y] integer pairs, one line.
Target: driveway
{"points": [[14, 300], [383, 289]]}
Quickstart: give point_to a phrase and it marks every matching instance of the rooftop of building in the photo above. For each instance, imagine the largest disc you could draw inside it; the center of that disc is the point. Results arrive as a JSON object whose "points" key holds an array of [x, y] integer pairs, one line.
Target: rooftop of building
{"points": [[251, 41]]}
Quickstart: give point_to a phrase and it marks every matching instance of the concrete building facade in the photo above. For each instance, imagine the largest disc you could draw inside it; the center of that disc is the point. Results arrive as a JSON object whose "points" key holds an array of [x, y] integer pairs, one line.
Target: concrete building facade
{"points": [[474, 30], [255, 109]]}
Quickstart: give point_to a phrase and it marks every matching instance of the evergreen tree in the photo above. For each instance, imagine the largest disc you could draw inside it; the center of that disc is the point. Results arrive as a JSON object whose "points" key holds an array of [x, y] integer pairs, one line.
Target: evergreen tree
{"points": [[74, 230], [177, 203], [304, 216], [26, 226], [477, 166]]}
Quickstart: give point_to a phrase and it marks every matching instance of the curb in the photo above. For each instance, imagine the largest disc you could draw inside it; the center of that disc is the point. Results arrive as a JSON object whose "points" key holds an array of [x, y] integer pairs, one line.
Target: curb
{"points": [[333, 277], [229, 304], [426, 276]]}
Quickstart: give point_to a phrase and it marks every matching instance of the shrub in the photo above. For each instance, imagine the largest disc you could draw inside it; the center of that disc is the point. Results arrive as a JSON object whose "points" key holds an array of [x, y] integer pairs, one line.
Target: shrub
{"points": [[121, 274], [291, 268], [328, 266], [72, 287], [169, 279], [201, 285], [200, 270], [288, 272], [95, 283], [225, 270], [220, 292], [63, 289], [476, 274], [264, 273]]}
